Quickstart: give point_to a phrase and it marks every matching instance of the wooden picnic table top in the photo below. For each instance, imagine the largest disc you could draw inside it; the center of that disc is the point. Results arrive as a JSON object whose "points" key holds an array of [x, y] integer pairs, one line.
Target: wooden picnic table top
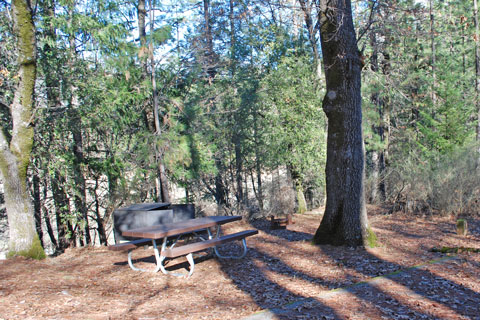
{"points": [[175, 228]]}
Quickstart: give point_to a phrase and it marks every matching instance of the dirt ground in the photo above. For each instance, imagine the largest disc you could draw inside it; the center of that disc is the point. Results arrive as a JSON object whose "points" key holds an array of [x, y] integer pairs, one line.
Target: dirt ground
{"points": [[283, 273]]}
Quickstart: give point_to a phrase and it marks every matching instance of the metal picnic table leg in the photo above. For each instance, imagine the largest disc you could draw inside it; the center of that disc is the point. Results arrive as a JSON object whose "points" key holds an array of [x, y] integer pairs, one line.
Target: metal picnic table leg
{"points": [[155, 249], [160, 259], [244, 243], [130, 263]]}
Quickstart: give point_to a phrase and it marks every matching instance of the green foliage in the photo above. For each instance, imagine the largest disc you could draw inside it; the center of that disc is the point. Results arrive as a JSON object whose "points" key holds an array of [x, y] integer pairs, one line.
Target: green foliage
{"points": [[297, 136], [161, 35], [261, 113]]}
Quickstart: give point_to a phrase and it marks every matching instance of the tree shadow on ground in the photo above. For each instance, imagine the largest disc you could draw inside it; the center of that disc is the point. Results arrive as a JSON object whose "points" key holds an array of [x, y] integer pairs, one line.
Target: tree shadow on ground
{"points": [[397, 294], [150, 262], [434, 288], [289, 235], [266, 293]]}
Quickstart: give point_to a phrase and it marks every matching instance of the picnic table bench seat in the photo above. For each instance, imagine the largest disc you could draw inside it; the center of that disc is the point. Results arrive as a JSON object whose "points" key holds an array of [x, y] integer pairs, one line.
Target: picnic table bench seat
{"points": [[130, 244], [202, 245], [185, 249]]}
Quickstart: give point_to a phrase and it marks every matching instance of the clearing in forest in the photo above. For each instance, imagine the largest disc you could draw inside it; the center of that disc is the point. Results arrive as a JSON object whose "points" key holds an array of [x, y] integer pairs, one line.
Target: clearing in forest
{"points": [[282, 273]]}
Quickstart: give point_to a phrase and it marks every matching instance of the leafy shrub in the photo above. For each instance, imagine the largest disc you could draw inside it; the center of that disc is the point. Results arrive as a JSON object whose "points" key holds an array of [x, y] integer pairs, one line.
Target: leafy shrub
{"points": [[450, 184]]}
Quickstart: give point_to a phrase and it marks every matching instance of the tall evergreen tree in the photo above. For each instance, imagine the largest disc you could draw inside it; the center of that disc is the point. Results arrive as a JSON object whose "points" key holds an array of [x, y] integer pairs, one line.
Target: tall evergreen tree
{"points": [[15, 150]]}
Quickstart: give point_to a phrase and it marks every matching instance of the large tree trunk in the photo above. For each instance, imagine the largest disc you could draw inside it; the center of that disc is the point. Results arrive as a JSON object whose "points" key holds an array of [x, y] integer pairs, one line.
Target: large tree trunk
{"points": [[345, 218], [15, 154]]}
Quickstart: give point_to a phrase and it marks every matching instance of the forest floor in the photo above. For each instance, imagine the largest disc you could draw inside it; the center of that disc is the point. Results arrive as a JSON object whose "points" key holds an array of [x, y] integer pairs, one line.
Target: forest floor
{"points": [[283, 276]]}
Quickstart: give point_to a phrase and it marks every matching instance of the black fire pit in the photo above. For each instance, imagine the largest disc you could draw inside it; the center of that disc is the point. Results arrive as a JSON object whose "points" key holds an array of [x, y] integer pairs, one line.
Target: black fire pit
{"points": [[148, 214]]}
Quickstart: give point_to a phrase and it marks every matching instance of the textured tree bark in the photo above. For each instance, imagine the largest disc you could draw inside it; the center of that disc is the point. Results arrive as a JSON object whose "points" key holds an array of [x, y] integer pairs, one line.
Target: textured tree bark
{"points": [[15, 154], [345, 219]]}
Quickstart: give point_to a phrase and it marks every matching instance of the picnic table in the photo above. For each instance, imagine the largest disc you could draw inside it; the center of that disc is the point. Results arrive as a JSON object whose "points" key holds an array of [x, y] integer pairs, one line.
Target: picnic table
{"points": [[169, 235]]}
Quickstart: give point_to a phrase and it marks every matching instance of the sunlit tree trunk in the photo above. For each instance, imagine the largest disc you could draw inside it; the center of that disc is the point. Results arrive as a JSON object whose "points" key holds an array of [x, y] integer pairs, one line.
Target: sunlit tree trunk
{"points": [[15, 152], [345, 219]]}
